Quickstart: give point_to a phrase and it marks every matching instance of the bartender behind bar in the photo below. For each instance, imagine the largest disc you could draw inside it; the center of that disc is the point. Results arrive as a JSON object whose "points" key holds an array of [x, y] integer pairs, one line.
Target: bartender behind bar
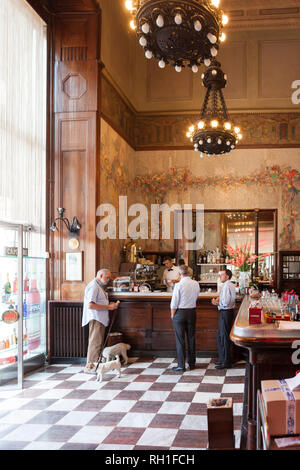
{"points": [[171, 274]]}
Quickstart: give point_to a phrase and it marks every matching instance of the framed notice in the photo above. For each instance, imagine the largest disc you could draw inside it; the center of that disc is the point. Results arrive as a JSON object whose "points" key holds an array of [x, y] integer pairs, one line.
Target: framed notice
{"points": [[74, 266]]}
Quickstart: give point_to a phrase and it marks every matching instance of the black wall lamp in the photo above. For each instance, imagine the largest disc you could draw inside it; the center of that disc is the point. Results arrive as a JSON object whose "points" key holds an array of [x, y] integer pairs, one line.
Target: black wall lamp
{"points": [[73, 228]]}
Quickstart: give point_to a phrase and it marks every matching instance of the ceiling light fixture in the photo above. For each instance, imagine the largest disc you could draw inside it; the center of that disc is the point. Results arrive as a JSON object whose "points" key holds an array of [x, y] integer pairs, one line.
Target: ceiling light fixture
{"points": [[184, 33], [214, 133]]}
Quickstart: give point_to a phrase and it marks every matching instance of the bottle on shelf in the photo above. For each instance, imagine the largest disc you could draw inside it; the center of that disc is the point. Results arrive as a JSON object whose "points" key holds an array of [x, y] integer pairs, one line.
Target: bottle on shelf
{"points": [[218, 256], [295, 309], [15, 284], [25, 312], [26, 283], [140, 253], [34, 316], [3, 294], [14, 339], [25, 340], [7, 285], [204, 258]]}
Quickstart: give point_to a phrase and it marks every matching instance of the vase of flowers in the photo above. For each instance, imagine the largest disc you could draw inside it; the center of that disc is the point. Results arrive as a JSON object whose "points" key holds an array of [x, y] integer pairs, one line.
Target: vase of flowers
{"points": [[241, 257], [244, 280]]}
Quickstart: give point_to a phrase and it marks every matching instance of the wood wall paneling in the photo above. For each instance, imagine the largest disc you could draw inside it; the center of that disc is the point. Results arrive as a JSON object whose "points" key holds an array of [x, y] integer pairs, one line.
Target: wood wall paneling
{"points": [[75, 162], [76, 136]]}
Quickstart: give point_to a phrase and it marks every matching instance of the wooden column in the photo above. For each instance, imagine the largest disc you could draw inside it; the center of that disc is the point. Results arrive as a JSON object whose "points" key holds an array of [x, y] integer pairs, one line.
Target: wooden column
{"points": [[76, 135]]}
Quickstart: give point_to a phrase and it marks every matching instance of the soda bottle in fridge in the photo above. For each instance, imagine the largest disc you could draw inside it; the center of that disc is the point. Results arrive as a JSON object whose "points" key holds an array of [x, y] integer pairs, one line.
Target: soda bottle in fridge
{"points": [[33, 316]]}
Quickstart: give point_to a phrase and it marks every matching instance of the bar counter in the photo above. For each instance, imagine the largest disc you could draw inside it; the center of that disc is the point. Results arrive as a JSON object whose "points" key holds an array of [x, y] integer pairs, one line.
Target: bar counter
{"points": [[145, 321], [270, 357]]}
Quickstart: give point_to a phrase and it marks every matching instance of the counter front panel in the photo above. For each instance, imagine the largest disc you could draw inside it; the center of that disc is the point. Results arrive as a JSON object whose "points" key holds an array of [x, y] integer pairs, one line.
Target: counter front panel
{"points": [[143, 319]]}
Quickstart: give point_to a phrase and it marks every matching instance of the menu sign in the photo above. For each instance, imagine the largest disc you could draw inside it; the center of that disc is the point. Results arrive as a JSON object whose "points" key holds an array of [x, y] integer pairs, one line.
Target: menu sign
{"points": [[10, 316]]}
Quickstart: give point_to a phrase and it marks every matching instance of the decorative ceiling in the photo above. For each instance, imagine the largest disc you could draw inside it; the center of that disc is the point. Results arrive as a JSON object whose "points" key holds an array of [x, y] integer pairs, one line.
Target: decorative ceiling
{"points": [[258, 14]]}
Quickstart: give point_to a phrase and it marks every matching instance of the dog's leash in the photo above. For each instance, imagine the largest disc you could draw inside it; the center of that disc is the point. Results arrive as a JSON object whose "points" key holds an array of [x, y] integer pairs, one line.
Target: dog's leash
{"points": [[107, 336]]}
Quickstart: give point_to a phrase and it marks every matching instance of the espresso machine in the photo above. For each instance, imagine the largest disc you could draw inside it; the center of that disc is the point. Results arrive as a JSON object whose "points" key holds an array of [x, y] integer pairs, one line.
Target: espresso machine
{"points": [[141, 274]]}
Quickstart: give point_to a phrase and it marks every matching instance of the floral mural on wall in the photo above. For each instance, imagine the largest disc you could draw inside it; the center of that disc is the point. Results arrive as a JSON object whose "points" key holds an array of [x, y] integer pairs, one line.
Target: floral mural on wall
{"points": [[275, 177], [117, 178], [115, 159]]}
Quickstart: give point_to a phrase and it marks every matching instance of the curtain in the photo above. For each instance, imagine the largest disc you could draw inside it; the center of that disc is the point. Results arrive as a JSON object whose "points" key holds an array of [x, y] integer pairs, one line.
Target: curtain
{"points": [[23, 82]]}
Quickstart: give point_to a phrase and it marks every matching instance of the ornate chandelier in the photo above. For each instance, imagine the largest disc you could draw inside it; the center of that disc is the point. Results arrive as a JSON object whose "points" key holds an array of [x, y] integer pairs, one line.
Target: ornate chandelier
{"points": [[214, 133], [180, 32]]}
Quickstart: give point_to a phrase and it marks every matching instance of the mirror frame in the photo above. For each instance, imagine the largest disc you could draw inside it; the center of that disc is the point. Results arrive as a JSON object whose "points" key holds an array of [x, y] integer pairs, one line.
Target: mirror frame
{"points": [[256, 213]]}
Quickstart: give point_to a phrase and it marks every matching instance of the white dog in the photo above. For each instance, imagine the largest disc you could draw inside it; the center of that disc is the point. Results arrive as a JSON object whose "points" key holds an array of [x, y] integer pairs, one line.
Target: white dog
{"points": [[107, 366], [119, 349]]}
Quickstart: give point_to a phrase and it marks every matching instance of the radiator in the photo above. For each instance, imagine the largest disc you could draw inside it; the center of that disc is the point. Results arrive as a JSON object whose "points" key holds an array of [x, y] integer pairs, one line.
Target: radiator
{"points": [[66, 337]]}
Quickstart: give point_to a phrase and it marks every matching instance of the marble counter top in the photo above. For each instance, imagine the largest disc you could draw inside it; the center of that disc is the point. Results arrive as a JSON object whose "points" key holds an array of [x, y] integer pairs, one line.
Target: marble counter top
{"points": [[241, 328], [167, 295]]}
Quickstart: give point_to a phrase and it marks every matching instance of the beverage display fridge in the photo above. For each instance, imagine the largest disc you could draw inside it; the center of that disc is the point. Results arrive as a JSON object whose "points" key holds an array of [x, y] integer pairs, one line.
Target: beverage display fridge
{"points": [[22, 304]]}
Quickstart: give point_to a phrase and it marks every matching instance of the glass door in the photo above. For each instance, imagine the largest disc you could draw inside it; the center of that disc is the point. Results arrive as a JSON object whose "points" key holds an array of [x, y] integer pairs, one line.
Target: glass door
{"points": [[11, 306], [22, 306]]}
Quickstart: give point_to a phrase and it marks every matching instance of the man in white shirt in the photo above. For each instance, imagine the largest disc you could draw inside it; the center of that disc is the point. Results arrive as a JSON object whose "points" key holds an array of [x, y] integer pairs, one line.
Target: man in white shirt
{"points": [[226, 305], [171, 274], [95, 313], [183, 314]]}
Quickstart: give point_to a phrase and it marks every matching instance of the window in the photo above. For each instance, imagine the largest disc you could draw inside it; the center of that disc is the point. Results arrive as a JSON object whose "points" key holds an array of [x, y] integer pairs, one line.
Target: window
{"points": [[23, 83]]}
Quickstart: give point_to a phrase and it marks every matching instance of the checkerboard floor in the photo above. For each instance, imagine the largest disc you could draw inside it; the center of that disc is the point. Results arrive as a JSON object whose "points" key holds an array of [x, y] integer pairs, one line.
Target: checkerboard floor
{"points": [[148, 407]]}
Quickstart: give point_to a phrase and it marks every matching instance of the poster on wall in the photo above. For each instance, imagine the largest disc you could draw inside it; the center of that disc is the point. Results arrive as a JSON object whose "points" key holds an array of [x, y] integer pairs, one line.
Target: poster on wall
{"points": [[74, 266]]}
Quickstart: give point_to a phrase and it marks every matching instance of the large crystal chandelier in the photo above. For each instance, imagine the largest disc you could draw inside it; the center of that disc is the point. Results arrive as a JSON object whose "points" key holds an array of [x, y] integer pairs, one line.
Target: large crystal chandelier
{"points": [[214, 133], [180, 32]]}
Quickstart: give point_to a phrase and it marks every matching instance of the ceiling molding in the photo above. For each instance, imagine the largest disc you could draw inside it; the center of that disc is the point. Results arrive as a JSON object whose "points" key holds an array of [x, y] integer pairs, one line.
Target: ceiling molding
{"points": [[245, 15]]}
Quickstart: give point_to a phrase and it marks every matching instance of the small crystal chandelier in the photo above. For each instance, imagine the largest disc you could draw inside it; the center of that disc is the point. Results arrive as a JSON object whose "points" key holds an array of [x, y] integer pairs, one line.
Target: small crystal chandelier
{"points": [[214, 133], [180, 32]]}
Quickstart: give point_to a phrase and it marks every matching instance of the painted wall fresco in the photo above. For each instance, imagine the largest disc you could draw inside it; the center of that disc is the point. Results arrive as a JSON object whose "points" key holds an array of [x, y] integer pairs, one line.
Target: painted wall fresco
{"points": [[117, 112], [246, 179], [274, 186], [153, 131], [259, 129], [116, 165]]}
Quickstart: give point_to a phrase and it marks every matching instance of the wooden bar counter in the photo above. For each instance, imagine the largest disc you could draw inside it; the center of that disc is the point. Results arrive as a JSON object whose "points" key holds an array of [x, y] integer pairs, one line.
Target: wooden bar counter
{"points": [[144, 319], [270, 357]]}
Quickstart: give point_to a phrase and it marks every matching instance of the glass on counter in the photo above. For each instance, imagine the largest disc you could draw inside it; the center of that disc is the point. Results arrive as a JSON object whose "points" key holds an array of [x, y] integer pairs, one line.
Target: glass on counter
{"points": [[275, 308]]}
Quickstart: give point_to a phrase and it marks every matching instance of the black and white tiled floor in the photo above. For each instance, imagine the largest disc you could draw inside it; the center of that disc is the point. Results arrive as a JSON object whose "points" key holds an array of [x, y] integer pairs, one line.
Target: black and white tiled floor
{"points": [[148, 407]]}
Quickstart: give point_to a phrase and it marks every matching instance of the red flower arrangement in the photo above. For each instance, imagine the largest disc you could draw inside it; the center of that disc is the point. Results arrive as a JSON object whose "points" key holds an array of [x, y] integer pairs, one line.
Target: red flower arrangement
{"points": [[241, 256]]}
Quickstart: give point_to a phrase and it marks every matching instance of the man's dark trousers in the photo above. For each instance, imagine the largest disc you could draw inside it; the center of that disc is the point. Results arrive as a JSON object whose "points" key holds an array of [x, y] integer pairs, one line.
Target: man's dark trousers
{"points": [[184, 323], [223, 339]]}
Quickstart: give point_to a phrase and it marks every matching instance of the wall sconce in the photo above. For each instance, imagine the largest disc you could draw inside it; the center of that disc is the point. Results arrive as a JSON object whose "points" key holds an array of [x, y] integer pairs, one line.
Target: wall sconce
{"points": [[73, 228]]}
